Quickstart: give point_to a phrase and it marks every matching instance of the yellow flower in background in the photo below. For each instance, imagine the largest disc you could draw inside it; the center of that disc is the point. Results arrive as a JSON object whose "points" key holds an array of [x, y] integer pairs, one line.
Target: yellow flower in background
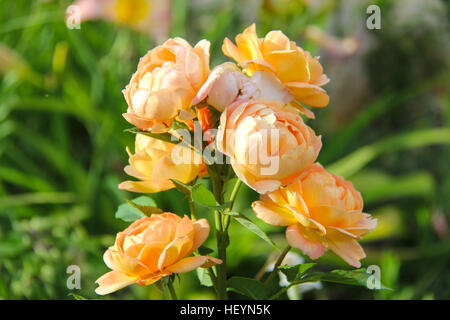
{"points": [[148, 16], [155, 162], [166, 81], [295, 68], [154, 247], [322, 211], [130, 11], [268, 143]]}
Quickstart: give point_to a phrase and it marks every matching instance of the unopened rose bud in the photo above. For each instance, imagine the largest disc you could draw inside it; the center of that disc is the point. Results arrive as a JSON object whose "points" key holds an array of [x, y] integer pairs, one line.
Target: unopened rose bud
{"points": [[224, 85]]}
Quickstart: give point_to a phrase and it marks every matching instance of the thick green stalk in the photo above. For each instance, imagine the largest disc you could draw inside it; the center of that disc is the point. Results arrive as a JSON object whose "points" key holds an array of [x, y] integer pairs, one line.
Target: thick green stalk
{"points": [[222, 255], [173, 294], [221, 234]]}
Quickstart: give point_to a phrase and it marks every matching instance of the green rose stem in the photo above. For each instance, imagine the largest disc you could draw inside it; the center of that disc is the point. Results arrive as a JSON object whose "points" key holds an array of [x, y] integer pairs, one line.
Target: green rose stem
{"points": [[235, 192], [277, 264], [197, 253], [221, 233], [222, 239], [173, 294], [192, 208], [222, 223], [232, 199]]}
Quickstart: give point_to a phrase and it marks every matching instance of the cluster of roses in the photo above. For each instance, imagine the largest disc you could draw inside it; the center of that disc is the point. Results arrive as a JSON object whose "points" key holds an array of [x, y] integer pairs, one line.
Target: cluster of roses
{"points": [[173, 82]]}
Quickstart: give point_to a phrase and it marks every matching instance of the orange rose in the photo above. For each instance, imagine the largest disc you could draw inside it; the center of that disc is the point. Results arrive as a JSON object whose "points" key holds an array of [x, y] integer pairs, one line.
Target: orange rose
{"points": [[294, 67], [321, 211], [156, 161], [154, 247], [165, 83], [268, 143]]}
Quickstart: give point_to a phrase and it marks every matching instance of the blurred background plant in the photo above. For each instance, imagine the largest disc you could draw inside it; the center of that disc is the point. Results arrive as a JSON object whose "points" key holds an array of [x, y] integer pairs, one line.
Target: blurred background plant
{"points": [[62, 145]]}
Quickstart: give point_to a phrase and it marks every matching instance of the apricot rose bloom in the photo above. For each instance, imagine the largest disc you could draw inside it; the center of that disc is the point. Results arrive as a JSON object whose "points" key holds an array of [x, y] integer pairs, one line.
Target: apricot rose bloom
{"points": [[322, 211], [268, 143], [165, 83], [155, 162], [154, 247], [295, 68]]}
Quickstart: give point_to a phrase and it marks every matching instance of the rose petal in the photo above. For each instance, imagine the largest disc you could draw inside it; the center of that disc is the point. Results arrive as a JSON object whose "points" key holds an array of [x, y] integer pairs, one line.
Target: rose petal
{"points": [[345, 247], [113, 281], [192, 263], [272, 214], [308, 241], [201, 230]]}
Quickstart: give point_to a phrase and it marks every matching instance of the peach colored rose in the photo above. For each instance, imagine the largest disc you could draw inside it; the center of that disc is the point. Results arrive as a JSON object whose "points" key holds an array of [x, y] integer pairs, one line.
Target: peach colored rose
{"points": [[154, 247], [165, 83], [294, 67], [268, 143], [155, 162], [321, 211]]}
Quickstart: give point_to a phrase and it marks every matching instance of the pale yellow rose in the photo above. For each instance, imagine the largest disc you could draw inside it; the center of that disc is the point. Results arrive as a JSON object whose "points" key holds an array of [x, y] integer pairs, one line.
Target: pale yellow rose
{"points": [[268, 143], [155, 162], [321, 211], [165, 83], [154, 247], [295, 68]]}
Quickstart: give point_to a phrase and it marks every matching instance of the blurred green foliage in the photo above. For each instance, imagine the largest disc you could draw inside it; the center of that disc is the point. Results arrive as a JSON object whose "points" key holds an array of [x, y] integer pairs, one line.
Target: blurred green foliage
{"points": [[62, 145]]}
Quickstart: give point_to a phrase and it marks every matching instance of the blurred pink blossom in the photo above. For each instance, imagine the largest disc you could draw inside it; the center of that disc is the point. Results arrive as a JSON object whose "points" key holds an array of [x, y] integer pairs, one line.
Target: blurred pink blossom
{"points": [[147, 16]]}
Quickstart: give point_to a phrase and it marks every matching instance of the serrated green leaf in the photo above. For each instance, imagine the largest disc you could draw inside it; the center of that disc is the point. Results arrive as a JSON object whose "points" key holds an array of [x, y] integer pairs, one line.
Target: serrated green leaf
{"points": [[131, 212], [77, 296], [146, 210], [202, 196], [248, 287], [205, 250], [293, 273], [167, 137], [358, 277], [250, 225], [203, 277], [182, 187]]}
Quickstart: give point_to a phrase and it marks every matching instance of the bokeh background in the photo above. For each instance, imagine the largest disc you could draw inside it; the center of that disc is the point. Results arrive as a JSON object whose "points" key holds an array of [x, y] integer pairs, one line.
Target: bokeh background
{"points": [[62, 145]]}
